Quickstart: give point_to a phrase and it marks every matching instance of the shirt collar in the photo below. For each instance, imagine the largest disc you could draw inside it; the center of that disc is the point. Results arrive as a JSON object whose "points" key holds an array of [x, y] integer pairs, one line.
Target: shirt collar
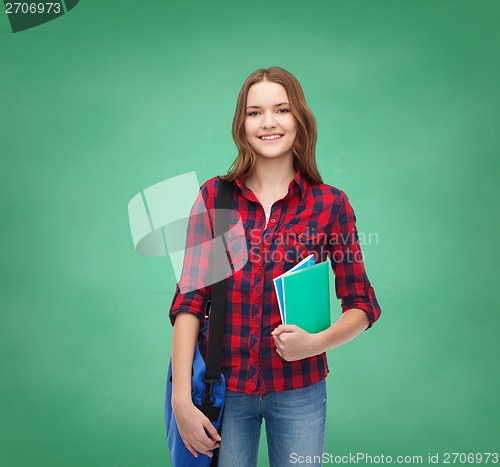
{"points": [[300, 180]]}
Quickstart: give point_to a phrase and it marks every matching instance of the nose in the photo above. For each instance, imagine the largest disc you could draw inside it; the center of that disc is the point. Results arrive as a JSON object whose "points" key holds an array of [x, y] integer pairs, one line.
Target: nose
{"points": [[269, 121]]}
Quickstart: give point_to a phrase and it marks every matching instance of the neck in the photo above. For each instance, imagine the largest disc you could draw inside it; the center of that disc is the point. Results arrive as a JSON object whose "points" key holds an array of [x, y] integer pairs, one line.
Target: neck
{"points": [[271, 175]]}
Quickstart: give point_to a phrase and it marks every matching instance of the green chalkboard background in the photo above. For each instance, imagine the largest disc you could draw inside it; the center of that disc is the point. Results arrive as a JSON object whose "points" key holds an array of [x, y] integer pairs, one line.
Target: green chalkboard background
{"points": [[113, 97]]}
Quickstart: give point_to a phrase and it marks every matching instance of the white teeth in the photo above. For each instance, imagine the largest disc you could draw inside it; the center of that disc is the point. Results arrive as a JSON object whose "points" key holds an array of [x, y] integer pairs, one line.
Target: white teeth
{"points": [[271, 137]]}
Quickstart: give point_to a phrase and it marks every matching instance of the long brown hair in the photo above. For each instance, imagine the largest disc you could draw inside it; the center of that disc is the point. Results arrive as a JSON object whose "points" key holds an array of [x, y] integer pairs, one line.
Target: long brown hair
{"points": [[304, 147]]}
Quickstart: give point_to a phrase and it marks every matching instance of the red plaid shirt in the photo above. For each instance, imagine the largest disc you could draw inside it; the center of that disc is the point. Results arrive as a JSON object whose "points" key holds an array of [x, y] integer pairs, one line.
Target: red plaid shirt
{"points": [[311, 218]]}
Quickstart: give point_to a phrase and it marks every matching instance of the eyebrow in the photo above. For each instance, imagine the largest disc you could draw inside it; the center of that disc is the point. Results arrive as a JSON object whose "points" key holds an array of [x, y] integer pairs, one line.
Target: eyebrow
{"points": [[259, 107]]}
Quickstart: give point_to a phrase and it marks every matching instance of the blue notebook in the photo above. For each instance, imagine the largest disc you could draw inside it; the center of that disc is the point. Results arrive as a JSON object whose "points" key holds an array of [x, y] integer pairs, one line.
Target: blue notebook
{"points": [[278, 283]]}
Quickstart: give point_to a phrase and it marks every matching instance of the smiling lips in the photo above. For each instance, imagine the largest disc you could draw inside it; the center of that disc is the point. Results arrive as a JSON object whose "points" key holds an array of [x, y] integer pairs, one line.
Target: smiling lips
{"points": [[271, 137]]}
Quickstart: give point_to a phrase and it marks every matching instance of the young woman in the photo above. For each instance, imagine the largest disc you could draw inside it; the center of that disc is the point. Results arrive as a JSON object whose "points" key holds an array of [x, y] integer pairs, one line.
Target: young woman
{"points": [[273, 371]]}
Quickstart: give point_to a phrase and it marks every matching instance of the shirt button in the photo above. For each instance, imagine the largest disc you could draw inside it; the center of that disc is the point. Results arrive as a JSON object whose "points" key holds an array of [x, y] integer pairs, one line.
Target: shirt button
{"points": [[273, 220], [259, 271], [257, 301]]}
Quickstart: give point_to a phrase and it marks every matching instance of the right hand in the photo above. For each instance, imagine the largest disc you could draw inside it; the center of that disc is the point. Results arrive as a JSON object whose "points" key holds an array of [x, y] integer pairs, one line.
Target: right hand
{"points": [[192, 424]]}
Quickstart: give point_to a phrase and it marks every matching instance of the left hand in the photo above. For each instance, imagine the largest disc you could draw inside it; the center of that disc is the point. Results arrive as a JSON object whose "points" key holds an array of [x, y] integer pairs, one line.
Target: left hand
{"points": [[293, 343]]}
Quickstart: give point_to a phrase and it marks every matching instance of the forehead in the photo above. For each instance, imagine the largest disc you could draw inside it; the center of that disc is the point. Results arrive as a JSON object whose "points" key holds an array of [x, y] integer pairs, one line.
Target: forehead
{"points": [[266, 93]]}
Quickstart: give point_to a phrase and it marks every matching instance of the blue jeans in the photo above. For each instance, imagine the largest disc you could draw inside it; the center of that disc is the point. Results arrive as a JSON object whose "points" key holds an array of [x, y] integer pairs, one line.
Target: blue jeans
{"points": [[295, 426]]}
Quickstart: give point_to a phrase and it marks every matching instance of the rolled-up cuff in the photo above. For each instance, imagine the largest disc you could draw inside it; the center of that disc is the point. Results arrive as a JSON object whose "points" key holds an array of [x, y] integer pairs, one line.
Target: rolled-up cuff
{"points": [[367, 303], [193, 302]]}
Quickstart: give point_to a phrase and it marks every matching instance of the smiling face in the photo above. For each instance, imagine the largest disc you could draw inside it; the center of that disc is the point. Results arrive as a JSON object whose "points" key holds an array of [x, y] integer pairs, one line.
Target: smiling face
{"points": [[270, 127]]}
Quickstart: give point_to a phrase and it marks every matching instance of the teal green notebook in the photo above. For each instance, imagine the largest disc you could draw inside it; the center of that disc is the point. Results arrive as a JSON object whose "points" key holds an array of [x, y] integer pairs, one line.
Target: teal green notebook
{"points": [[306, 298]]}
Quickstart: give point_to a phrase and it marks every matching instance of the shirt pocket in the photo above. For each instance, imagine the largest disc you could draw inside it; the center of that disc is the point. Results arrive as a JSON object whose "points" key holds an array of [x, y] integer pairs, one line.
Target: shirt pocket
{"points": [[303, 241], [236, 241], [298, 242]]}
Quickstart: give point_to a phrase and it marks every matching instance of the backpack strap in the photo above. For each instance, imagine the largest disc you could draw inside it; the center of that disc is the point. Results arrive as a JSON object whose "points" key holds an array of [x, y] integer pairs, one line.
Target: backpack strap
{"points": [[218, 305]]}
